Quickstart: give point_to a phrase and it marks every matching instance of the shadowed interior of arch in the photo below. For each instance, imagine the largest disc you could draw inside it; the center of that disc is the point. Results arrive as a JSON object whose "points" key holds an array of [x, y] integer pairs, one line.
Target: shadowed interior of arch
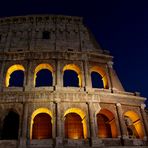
{"points": [[96, 79], [106, 124], [16, 78], [133, 124], [104, 129], [42, 126], [70, 78], [73, 126], [44, 78], [10, 126]]}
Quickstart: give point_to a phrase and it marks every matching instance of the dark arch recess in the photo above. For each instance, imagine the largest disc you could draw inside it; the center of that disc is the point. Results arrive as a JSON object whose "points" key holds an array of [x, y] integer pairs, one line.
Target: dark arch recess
{"points": [[44, 78], [73, 126], [96, 79], [16, 79], [10, 126], [42, 127], [70, 78]]}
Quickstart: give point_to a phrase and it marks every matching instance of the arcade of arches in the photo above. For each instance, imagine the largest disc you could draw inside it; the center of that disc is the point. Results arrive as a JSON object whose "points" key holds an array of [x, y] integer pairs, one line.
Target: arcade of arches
{"points": [[44, 76], [75, 124], [59, 88]]}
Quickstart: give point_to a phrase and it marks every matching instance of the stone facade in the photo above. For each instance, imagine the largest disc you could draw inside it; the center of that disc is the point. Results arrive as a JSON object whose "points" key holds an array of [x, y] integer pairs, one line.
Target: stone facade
{"points": [[69, 42]]}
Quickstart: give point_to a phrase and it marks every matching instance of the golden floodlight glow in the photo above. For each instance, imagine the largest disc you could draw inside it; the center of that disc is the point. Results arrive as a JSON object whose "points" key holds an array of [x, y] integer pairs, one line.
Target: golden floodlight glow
{"points": [[76, 69], [36, 112], [83, 117], [40, 67], [11, 70], [111, 121], [102, 73], [136, 122]]}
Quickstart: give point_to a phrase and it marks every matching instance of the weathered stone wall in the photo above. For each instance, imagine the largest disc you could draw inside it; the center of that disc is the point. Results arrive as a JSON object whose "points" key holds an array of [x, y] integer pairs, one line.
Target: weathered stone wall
{"points": [[70, 42]]}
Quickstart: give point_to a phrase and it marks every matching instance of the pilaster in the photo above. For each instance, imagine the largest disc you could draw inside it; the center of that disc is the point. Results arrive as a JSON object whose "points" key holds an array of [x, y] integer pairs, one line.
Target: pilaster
{"points": [[121, 121], [144, 116], [58, 74], [87, 75], [23, 138], [60, 128]]}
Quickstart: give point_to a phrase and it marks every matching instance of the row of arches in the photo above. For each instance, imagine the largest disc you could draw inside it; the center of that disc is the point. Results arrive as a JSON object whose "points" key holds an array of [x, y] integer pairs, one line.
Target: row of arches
{"points": [[75, 124], [43, 76]]}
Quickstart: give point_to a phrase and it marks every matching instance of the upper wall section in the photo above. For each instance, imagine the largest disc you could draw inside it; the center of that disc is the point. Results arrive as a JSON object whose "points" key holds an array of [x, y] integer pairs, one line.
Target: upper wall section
{"points": [[46, 33]]}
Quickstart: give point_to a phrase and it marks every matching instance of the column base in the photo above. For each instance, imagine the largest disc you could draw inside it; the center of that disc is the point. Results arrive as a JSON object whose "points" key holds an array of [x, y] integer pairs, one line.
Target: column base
{"points": [[59, 142], [88, 89], [22, 143], [96, 142]]}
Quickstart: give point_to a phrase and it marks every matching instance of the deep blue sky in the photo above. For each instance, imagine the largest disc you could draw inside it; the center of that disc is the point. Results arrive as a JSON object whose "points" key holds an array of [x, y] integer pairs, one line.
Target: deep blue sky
{"points": [[120, 26]]}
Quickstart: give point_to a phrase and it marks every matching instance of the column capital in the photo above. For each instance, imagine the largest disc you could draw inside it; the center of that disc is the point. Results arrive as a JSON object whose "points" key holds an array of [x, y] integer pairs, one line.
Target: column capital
{"points": [[143, 106], [110, 64], [118, 104]]}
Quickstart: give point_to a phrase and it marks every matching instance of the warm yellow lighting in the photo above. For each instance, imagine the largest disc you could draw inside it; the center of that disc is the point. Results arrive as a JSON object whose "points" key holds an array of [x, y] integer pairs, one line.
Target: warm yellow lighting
{"points": [[83, 117], [111, 121], [76, 69], [40, 67], [11, 70], [102, 73], [36, 112], [136, 122]]}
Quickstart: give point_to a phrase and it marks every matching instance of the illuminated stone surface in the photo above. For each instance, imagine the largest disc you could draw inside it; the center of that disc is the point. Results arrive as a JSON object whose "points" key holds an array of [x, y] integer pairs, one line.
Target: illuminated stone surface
{"points": [[60, 43]]}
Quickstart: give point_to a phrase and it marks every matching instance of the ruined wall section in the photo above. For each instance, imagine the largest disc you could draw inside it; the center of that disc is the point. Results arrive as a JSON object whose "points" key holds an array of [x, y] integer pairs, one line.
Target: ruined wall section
{"points": [[64, 33]]}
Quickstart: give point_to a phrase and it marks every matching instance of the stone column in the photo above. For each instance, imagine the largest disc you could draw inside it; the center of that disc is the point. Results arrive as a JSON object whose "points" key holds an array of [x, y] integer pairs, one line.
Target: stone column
{"points": [[29, 76], [3, 76], [109, 77], [144, 116], [87, 75], [59, 123], [58, 75], [122, 125], [94, 140], [23, 138], [91, 120]]}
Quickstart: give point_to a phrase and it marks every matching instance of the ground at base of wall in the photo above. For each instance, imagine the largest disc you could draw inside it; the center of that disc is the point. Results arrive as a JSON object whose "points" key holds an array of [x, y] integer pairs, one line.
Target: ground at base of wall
{"points": [[7, 146]]}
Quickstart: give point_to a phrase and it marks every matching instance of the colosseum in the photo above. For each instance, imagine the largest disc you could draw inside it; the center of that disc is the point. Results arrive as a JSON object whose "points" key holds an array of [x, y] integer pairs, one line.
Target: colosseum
{"points": [[58, 88]]}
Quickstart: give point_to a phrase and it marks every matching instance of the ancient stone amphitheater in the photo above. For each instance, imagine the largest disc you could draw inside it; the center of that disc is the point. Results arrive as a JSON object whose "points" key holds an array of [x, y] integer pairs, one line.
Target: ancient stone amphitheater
{"points": [[58, 88]]}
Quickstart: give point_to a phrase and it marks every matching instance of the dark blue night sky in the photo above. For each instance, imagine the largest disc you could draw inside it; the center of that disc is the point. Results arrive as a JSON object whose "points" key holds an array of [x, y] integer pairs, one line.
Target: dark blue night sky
{"points": [[120, 26]]}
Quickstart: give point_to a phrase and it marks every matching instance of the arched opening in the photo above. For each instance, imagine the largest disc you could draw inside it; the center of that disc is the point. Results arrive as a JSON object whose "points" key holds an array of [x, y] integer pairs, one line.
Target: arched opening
{"points": [[16, 79], [72, 76], [44, 78], [41, 124], [104, 129], [42, 127], [10, 126], [15, 76], [43, 75], [96, 80], [133, 124], [98, 77], [106, 124], [75, 124]]}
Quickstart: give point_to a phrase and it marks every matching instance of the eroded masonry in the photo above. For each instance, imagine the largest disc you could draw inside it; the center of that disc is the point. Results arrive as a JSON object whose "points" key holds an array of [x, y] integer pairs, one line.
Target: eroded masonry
{"points": [[58, 88]]}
